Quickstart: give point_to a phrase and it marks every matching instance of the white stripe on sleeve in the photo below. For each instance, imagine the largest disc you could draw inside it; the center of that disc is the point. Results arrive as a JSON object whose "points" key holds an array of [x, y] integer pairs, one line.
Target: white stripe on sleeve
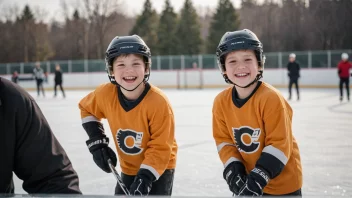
{"points": [[276, 153], [89, 119], [232, 159], [222, 145], [151, 169]]}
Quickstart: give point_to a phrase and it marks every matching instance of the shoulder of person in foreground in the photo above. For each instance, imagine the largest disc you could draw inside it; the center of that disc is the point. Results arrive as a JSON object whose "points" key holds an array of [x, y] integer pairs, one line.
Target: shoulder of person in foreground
{"points": [[40, 160]]}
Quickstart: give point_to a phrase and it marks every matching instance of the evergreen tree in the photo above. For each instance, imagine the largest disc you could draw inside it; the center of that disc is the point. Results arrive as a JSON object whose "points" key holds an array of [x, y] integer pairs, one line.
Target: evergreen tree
{"points": [[188, 30], [27, 14], [167, 40], [76, 15], [146, 26], [225, 19]]}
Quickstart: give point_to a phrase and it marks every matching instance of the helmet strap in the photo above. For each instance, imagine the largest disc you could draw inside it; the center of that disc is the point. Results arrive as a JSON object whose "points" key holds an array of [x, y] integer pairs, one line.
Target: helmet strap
{"points": [[133, 88]]}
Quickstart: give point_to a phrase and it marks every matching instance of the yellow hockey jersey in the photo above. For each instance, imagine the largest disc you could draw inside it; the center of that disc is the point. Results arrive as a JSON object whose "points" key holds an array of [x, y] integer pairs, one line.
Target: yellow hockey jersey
{"points": [[143, 133], [262, 125]]}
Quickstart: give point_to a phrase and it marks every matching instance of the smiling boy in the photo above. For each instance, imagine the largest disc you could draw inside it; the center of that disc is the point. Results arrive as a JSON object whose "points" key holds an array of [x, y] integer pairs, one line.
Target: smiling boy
{"points": [[140, 117], [252, 123]]}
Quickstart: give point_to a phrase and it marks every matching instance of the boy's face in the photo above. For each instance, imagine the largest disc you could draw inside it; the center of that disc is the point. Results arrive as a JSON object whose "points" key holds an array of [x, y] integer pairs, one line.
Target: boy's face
{"points": [[129, 70], [292, 59], [241, 67]]}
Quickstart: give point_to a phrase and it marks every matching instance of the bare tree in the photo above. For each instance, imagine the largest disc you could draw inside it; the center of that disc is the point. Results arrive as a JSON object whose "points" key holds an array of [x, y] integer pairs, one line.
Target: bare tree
{"points": [[98, 12], [9, 12], [65, 10], [324, 23], [40, 14]]}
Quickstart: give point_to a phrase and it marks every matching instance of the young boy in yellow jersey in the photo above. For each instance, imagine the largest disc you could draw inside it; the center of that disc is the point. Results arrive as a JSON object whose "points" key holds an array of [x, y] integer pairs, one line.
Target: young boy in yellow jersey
{"points": [[252, 123], [140, 117]]}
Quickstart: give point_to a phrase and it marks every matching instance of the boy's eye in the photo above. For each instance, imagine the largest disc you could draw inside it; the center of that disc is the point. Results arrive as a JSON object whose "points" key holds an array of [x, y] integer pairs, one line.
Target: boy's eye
{"points": [[248, 59], [136, 64], [120, 65]]}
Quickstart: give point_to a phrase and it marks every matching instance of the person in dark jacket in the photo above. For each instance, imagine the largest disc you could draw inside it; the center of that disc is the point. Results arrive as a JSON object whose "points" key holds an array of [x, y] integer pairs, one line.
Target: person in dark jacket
{"points": [[29, 148], [58, 80], [343, 68], [293, 73]]}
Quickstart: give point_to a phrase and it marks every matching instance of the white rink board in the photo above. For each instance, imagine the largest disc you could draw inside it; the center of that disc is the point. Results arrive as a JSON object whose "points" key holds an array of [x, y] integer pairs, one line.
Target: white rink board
{"points": [[321, 124], [208, 78]]}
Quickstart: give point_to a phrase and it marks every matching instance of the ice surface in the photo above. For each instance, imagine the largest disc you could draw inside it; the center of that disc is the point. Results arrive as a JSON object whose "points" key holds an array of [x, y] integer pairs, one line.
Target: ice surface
{"points": [[321, 124]]}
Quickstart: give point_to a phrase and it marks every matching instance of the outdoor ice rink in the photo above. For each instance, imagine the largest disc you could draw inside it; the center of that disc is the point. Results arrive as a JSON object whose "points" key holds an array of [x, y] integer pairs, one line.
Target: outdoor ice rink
{"points": [[322, 126]]}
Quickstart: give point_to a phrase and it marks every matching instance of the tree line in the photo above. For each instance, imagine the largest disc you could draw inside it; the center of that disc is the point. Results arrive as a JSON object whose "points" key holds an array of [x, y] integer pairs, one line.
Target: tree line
{"points": [[286, 25]]}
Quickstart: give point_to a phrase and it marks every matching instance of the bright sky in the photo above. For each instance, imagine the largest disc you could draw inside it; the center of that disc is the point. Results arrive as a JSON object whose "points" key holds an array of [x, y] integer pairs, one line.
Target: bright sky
{"points": [[131, 7]]}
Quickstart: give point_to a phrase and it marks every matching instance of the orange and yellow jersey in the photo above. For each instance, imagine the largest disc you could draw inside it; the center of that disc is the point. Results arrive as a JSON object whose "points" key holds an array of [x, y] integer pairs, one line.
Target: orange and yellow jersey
{"points": [[257, 131], [143, 130]]}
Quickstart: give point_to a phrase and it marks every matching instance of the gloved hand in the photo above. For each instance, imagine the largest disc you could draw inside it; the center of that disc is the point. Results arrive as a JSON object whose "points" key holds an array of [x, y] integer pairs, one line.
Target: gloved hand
{"points": [[142, 183], [235, 175], [101, 152], [257, 179]]}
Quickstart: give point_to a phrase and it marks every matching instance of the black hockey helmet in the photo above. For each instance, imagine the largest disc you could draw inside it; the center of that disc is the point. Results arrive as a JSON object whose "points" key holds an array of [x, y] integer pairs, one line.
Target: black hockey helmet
{"points": [[127, 45], [239, 40]]}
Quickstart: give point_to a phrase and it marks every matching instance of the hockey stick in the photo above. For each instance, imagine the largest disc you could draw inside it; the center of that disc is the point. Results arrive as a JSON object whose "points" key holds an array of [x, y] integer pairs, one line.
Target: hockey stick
{"points": [[118, 178]]}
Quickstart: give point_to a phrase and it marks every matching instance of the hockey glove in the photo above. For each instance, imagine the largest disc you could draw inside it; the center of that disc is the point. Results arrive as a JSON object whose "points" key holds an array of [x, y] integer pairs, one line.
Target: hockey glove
{"points": [[101, 152], [142, 183], [257, 179], [235, 175]]}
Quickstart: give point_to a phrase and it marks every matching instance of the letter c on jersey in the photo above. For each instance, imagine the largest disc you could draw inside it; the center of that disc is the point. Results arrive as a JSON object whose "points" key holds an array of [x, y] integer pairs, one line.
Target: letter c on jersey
{"points": [[246, 139], [129, 141]]}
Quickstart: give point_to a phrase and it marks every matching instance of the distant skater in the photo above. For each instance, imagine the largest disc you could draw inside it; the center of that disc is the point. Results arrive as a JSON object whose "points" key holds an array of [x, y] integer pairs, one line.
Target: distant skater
{"points": [[293, 69], [38, 74], [58, 80], [343, 68], [14, 77]]}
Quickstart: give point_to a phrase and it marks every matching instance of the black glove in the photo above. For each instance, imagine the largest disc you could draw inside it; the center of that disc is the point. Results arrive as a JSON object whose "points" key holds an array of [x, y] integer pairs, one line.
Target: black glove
{"points": [[235, 176], [142, 183], [257, 179], [98, 146]]}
